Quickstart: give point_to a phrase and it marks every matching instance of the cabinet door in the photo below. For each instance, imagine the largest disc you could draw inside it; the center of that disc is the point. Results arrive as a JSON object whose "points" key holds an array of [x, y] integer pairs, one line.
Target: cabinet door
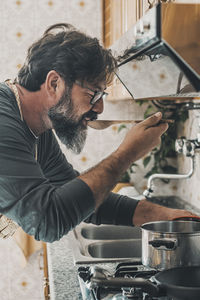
{"points": [[118, 17]]}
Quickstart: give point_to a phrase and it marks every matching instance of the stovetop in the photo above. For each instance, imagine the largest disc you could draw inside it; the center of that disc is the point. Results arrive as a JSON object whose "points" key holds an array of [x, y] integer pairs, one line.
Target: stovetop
{"points": [[101, 284]]}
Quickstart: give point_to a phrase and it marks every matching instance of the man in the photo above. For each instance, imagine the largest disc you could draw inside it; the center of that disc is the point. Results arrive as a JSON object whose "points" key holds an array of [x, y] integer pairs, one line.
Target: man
{"points": [[61, 86]]}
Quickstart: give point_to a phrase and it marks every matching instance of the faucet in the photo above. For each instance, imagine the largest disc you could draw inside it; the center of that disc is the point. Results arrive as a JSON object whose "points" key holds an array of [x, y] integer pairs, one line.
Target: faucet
{"points": [[184, 146]]}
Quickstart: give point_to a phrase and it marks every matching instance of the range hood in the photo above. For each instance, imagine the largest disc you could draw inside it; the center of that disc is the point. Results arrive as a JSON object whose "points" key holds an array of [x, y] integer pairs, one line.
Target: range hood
{"points": [[160, 54]]}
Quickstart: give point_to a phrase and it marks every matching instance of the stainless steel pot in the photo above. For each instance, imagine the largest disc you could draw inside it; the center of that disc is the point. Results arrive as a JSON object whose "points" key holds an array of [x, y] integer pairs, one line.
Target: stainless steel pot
{"points": [[169, 244]]}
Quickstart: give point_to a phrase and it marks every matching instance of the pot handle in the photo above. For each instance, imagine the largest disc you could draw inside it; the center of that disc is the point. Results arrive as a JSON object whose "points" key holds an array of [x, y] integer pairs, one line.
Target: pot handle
{"points": [[147, 286], [164, 244]]}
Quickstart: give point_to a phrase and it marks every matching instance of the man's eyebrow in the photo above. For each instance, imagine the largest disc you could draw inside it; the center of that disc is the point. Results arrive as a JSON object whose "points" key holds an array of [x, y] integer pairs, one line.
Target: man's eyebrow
{"points": [[100, 89], [96, 88]]}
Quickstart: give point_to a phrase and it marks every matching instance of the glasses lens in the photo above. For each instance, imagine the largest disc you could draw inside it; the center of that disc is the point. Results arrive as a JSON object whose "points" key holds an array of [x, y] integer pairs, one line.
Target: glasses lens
{"points": [[104, 95], [98, 96]]}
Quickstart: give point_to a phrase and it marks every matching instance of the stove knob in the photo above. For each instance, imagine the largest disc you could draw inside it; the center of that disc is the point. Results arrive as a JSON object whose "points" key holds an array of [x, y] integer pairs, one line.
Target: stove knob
{"points": [[84, 273]]}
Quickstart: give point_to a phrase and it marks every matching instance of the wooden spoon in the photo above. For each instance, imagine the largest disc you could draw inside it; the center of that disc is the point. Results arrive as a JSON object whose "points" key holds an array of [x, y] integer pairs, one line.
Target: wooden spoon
{"points": [[103, 124]]}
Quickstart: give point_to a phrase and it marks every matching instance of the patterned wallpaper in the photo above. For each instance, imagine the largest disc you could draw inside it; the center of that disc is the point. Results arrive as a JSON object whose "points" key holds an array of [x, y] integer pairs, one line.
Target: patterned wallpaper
{"points": [[23, 21]]}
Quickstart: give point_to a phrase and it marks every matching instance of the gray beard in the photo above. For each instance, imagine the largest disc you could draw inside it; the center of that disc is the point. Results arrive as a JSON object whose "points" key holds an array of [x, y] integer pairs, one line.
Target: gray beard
{"points": [[69, 129]]}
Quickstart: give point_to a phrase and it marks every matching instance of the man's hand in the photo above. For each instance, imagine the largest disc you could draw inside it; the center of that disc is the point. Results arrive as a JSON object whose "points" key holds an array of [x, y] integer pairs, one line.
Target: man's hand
{"points": [[149, 212], [140, 139], [143, 137]]}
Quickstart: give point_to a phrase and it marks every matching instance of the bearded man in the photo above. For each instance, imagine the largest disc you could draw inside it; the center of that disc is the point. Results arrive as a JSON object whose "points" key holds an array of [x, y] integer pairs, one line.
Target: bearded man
{"points": [[62, 86]]}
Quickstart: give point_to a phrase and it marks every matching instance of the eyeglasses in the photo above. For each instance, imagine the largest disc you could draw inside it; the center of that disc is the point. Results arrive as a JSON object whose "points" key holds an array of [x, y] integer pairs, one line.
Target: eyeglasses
{"points": [[96, 96]]}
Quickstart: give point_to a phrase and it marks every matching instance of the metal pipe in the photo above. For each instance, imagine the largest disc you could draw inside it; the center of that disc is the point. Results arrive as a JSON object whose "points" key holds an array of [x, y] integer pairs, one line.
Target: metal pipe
{"points": [[148, 192]]}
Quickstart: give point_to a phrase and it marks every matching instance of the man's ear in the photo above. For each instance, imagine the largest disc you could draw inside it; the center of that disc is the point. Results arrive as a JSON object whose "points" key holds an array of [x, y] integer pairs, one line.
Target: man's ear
{"points": [[54, 85]]}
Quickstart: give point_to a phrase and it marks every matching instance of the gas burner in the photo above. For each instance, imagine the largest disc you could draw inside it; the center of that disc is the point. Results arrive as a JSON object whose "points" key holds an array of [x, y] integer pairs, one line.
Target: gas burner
{"points": [[96, 281], [133, 269], [132, 293]]}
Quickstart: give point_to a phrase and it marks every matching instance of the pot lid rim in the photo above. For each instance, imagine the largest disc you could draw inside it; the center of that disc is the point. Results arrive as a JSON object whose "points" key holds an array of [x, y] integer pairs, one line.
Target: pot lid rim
{"points": [[193, 232]]}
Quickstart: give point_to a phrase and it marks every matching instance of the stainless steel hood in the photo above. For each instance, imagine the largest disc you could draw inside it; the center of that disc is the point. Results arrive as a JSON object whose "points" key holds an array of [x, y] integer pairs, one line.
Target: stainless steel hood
{"points": [[160, 55]]}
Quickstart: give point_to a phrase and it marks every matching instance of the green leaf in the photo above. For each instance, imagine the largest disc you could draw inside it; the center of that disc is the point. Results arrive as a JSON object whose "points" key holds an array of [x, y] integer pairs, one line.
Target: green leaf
{"points": [[148, 174], [169, 169], [184, 116], [122, 126], [157, 156], [152, 171], [140, 102], [125, 177], [150, 109], [146, 160]]}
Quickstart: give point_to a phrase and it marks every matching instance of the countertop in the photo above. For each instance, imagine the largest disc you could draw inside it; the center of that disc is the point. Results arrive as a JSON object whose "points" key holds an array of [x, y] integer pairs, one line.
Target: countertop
{"points": [[63, 276], [63, 273]]}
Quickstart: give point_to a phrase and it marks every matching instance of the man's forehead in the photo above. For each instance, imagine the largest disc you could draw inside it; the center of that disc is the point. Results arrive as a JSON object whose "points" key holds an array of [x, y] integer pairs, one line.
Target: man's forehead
{"points": [[96, 86]]}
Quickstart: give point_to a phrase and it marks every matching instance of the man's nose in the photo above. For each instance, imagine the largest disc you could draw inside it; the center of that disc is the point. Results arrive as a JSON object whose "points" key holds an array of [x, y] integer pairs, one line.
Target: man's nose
{"points": [[98, 106]]}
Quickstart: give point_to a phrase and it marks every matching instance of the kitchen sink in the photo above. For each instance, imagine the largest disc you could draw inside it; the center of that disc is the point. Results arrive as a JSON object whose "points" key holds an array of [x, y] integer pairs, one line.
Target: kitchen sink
{"points": [[122, 249], [110, 232], [105, 243]]}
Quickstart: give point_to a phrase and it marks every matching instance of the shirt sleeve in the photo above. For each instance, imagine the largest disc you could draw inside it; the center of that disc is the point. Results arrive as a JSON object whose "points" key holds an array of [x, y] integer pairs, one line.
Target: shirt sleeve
{"points": [[116, 209]]}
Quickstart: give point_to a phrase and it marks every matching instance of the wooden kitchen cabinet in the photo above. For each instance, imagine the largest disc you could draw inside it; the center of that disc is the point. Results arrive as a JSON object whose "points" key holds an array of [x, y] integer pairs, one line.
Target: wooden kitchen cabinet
{"points": [[119, 16]]}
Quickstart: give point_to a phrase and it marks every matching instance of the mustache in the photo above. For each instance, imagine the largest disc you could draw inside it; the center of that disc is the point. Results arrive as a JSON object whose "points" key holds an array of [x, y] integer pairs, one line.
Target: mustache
{"points": [[91, 115]]}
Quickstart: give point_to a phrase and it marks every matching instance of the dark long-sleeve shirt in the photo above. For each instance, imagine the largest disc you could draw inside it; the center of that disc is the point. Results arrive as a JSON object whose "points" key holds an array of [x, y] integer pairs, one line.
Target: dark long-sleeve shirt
{"points": [[45, 197]]}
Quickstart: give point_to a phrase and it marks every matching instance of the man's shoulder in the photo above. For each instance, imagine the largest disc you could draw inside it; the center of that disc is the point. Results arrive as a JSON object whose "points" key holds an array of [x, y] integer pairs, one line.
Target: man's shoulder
{"points": [[6, 95], [4, 89], [9, 112]]}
